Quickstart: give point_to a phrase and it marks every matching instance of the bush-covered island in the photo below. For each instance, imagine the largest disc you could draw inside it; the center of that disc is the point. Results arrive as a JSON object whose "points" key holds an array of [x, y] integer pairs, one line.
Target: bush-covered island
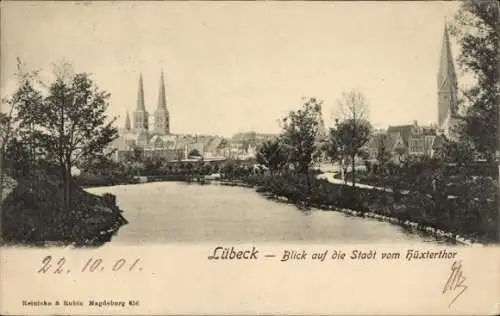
{"points": [[43, 137]]}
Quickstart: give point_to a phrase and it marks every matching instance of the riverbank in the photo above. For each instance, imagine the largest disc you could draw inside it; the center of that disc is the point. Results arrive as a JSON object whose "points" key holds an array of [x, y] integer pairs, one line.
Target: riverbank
{"points": [[32, 215], [415, 212]]}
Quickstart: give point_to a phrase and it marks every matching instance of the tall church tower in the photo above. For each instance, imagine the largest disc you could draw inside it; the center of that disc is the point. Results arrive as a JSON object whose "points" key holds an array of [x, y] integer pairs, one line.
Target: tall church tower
{"points": [[447, 88], [128, 126], [140, 113], [162, 118]]}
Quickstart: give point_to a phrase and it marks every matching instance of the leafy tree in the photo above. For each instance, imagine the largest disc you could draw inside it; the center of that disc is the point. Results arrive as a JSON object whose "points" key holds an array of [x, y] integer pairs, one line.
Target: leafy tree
{"points": [[9, 127], [27, 101], [73, 124], [207, 169], [320, 152], [273, 155], [476, 29], [353, 131], [335, 150], [194, 153], [461, 153], [17, 158], [228, 169], [384, 153], [300, 130], [351, 137], [5, 137]]}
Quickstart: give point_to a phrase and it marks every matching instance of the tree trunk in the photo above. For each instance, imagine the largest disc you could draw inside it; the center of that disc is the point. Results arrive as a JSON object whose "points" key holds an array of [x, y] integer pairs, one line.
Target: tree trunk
{"points": [[67, 190], [62, 178], [307, 179], [353, 171], [342, 169]]}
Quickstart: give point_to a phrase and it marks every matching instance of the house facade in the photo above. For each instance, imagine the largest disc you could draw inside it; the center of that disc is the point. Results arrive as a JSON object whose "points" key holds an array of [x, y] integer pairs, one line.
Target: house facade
{"points": [[404, 142]]}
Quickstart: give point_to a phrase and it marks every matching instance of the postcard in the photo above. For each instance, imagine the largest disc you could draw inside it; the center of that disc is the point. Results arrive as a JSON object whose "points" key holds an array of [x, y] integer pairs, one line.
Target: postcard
{"points": [[235, 158]]}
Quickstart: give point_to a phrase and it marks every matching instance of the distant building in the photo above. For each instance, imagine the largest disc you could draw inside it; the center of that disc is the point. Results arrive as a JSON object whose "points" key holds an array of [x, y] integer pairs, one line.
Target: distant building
{"points": [[417, 141], [372, 146], [245, 145], [404, 141], [139, 137], [412, 140]]}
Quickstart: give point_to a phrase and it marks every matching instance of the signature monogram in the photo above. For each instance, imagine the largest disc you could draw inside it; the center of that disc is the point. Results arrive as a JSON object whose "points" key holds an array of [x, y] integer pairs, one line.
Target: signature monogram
{"points": [[455, 281]]}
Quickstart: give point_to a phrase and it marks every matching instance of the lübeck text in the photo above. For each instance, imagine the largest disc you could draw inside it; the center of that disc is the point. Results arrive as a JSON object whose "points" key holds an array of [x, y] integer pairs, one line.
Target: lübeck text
{"points": [[234, 254]]}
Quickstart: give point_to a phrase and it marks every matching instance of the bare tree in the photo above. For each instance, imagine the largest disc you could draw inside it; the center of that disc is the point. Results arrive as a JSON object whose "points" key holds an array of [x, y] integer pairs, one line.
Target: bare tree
{"points": [[354, 127]]}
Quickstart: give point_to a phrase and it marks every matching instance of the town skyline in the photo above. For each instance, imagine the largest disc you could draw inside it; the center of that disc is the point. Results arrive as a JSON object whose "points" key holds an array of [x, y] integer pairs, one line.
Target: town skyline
{"points": [[225, 75]]}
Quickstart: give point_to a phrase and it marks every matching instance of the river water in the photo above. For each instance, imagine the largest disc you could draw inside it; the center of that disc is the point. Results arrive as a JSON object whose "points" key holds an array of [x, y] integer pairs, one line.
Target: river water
{"points": [[170, 212]]}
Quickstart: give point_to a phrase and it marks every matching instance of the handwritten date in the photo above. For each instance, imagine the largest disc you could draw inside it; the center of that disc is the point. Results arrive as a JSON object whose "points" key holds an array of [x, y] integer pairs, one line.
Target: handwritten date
{"points": [[58, 265]]}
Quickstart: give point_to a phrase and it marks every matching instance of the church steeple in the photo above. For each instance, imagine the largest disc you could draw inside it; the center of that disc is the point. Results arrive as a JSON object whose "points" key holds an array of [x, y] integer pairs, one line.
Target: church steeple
{"points": [[140, 96], [128, 126], [141, 123], [162, 119], [446, 66], [446, 84], [162, 98]]}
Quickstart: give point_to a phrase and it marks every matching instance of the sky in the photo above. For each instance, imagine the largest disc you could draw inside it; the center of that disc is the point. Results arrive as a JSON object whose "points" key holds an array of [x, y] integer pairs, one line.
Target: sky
{"points": [[238, 66]]}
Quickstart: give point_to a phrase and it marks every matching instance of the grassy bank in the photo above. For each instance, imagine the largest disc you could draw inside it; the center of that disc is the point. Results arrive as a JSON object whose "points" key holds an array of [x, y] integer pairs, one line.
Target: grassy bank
{"points": [[427, 177], [33, 215], [472, 218]]}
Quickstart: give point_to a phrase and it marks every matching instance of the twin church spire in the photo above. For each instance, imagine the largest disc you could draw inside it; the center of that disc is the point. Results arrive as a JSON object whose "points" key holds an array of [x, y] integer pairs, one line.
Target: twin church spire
{"points": [[141, 115], [162, 98]]}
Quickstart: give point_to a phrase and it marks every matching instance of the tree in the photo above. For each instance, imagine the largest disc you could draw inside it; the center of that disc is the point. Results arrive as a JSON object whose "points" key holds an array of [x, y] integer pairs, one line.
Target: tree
{"points": [[476, 29], [5, 131], [194, 153], [227, 169], [73, 124], [453, 151], [273, 155], [8, 120], [27, 101], [353, 131], [335, 149], [384, 153], [300, 130], [16, 158]]}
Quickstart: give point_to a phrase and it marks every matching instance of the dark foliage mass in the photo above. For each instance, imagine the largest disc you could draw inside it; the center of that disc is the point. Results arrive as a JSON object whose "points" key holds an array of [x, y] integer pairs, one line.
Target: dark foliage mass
{"points": [[35, 215], [477, 31]]}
